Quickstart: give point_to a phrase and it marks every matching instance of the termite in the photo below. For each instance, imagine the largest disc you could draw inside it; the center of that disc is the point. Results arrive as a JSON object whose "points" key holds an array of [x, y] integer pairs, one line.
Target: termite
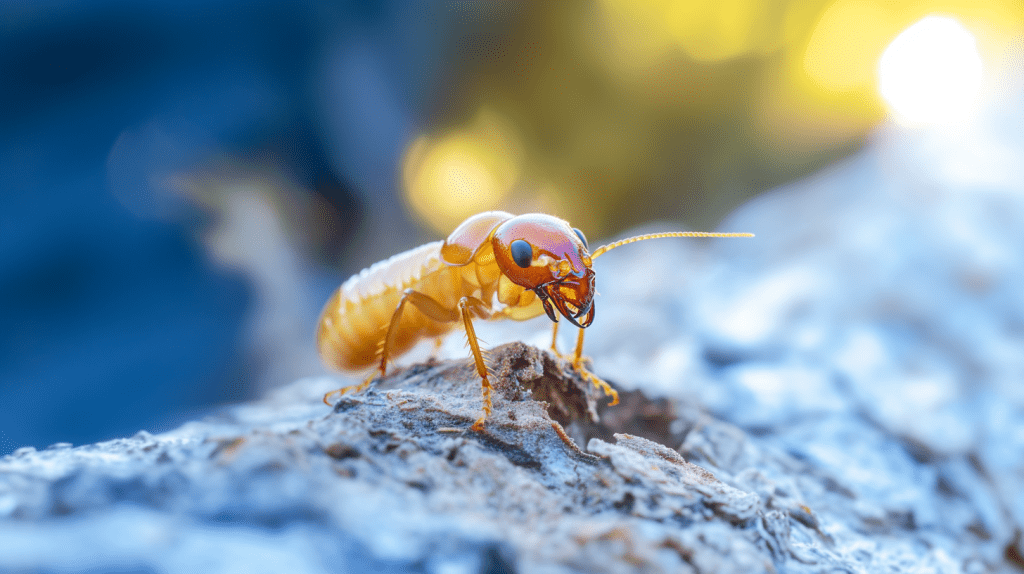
{"points": [[493, 266]]}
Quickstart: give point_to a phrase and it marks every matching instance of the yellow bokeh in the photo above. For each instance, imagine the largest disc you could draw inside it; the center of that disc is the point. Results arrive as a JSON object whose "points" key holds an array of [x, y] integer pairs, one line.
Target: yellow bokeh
{"points": [[845, 45], [645, 31], [611, 112], [825, 89], [452, 176]]}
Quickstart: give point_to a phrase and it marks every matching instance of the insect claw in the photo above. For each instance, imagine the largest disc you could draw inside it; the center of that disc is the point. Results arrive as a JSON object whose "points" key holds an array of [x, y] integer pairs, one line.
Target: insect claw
{"points": [[577, 365], [330, 394], [351, 388]]}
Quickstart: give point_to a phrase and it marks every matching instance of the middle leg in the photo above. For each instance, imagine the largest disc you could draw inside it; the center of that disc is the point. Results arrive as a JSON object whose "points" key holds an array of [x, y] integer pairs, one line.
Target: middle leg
{"points": [[468, 306], [426, 305]]}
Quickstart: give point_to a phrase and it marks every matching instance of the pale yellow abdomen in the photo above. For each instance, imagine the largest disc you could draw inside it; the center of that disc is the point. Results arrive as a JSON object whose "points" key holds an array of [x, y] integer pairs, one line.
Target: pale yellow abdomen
{"points": [[354, 320]]}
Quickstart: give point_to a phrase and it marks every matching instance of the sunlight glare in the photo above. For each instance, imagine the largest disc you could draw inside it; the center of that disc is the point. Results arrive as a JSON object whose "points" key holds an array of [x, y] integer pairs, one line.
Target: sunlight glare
{"points": [[449, 177], [931, 73]]}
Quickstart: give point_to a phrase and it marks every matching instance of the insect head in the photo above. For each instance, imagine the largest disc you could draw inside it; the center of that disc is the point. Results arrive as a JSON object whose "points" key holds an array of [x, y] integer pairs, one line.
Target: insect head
{"points": [[543, 253]]}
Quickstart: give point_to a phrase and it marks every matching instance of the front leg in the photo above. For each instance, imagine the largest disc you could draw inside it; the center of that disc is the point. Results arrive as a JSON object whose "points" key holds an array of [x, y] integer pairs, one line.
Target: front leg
{"points": [[577, 363]]}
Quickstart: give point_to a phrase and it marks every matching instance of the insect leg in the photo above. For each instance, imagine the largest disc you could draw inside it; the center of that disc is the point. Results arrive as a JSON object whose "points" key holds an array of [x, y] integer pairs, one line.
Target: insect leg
{"points": [[427, 306], [351, 388], [479, 308], [577, 363]]}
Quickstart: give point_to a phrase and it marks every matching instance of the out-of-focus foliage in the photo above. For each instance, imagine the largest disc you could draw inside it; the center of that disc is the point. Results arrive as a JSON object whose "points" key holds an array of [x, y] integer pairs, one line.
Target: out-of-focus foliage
{"points": [[613, 112]]}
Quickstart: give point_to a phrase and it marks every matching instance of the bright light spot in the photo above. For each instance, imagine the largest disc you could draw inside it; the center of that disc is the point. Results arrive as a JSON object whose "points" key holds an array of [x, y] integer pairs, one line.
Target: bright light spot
{"points": [[467, 171], [931, 72]]}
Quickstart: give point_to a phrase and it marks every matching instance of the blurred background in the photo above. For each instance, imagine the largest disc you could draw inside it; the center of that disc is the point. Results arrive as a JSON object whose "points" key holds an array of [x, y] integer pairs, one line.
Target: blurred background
{"points": [[182, 184]]}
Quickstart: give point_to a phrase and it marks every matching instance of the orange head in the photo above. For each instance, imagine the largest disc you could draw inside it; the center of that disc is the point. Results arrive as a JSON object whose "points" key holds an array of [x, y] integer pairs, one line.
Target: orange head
{"points": [[544, 253]]}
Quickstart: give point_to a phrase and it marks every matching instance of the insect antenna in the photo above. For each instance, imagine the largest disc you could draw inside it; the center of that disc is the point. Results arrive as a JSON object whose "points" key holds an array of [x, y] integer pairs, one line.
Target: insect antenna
{"points": [[606, 248]]}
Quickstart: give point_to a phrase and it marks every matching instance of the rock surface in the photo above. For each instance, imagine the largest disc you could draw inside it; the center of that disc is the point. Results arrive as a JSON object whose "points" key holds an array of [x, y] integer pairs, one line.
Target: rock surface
{"points": [[393, 480], [842, 394]]}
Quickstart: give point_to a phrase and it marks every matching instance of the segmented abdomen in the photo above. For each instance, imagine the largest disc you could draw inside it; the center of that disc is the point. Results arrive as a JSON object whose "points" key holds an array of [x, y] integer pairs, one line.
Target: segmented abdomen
{"points": [[353, 323]]}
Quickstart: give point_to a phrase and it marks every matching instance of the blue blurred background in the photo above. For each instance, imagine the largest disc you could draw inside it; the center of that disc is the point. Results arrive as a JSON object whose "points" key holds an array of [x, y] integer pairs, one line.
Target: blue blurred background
{"points": [[183, 183]]}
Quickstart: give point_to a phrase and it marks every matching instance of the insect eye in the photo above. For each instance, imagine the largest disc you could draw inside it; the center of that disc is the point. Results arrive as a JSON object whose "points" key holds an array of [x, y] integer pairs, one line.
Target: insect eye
{"points": [[522, 252], [582, 237]]}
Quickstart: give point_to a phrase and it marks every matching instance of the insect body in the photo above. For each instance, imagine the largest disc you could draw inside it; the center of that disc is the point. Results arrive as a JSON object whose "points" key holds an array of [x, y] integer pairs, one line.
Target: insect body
{"points": [[494, 265]]}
